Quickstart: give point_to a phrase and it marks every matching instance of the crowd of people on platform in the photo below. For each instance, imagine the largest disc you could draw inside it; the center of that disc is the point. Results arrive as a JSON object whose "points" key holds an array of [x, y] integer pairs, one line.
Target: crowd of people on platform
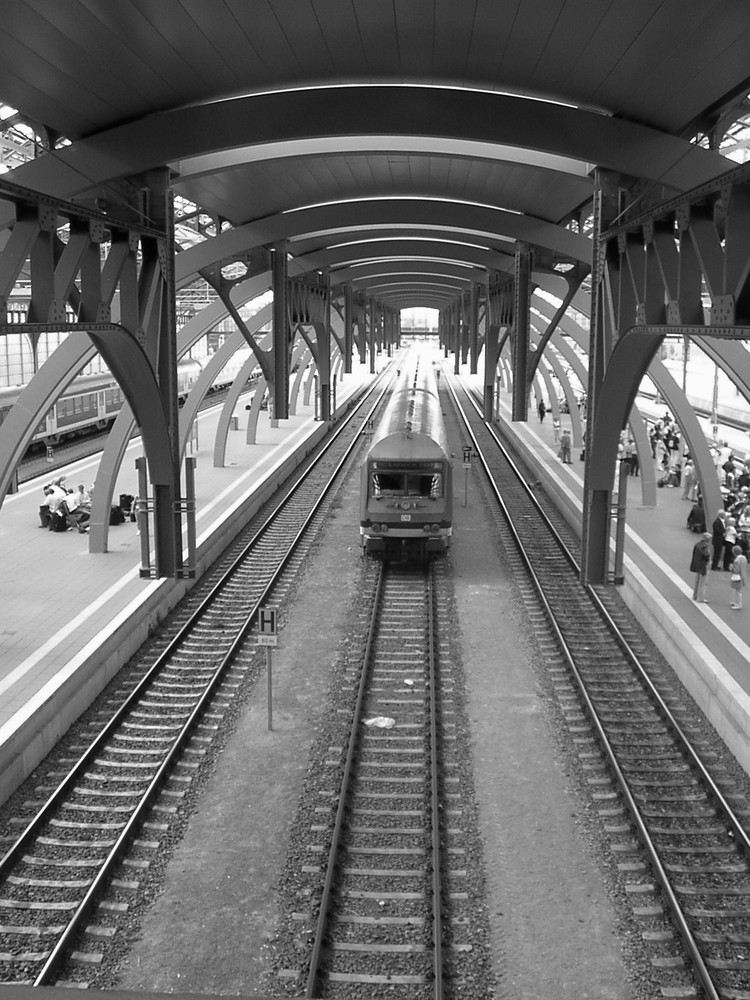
{"points": [[64, 509], [726, 546]]}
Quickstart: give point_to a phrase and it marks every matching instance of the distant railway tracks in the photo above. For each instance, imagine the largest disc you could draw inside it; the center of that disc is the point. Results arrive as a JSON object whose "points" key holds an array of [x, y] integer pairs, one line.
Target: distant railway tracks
{"points": [[94, 826], [676, 828]]}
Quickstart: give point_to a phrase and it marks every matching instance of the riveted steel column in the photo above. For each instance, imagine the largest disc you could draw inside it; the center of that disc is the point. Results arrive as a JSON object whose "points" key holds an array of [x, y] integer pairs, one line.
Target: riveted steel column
{"points": [[521, 331], [464, 328], [474, 330], [371, 334], [597, 503], [323, 337], [280, 334], [456, 335], [348, 329], [167, 500]]}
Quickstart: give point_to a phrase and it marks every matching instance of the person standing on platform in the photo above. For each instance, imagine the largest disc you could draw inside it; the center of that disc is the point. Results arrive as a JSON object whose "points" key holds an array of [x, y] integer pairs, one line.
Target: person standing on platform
{"points": [[699, 565], [565, 447], [688, 480], [541, 409], [730, 540], [717, 539], [738, 579], [556, 428]]}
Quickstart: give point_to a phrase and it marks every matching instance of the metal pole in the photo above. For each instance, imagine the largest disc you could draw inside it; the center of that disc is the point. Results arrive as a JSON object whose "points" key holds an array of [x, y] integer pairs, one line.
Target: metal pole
{"points": [[715, 403], [622, 502], [142, 516], [190, 464], [269, 680]]}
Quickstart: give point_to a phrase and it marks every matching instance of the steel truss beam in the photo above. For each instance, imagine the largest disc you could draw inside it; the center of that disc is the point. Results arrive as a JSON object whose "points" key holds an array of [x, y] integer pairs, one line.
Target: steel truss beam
{"points": [[654, 272], [122, 298]]}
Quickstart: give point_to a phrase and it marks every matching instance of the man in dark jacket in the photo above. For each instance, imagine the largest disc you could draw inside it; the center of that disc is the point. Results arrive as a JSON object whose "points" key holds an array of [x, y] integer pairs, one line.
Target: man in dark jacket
{"points": [[699, 566], [718, 530]]}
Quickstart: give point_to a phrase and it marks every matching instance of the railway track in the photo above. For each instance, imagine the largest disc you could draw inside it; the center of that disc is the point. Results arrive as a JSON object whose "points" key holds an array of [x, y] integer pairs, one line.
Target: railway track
{"points": [[379, 898], [102, 811], [677, 830]]}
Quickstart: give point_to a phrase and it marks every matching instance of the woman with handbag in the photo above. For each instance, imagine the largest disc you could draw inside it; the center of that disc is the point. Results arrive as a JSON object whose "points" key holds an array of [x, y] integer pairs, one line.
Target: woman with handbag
{"points": [[738, 579]]}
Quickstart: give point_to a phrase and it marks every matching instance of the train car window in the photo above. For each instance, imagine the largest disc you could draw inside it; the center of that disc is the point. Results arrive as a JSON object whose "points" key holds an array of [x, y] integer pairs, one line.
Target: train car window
{"points": [[424, 486], [412, 484], [388, 484]]}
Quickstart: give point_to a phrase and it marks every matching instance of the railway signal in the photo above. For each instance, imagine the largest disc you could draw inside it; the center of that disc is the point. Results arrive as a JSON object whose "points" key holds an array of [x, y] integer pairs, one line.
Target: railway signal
{"points": [[268, 637]]}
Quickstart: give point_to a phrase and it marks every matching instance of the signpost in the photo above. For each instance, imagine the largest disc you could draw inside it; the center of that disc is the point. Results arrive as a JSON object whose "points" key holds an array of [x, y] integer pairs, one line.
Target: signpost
{"points": [[268, 637], [467, 466]]}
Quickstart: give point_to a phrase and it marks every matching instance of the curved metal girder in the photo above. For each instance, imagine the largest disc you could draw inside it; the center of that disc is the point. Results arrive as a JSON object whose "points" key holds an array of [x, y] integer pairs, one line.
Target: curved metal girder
{"points": [[701, 454], [632, 356], [278, 123], [224, 423]]}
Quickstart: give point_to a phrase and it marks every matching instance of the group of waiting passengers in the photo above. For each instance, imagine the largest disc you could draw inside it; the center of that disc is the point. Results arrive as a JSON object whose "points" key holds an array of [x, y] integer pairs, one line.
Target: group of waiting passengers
{"points": [[64, 509], [734, 476]]}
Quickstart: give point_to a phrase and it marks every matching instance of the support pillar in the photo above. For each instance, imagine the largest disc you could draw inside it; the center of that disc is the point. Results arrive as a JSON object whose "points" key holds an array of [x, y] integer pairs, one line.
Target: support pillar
{"points": [[491, 356], [371, 334], [456, 336], [597, 503], [474, 330], [323, 336], [166, 483], [348, 329], [280, 409], [521, 311]]}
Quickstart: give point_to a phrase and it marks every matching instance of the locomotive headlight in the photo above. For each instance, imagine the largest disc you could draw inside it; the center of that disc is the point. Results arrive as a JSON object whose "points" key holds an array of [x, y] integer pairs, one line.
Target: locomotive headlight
{"points": [[435, 528], [375, 527]]}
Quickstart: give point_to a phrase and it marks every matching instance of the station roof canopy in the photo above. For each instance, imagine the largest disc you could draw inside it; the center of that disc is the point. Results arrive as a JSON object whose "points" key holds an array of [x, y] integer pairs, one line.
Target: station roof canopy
{"points": [[406, 146]]}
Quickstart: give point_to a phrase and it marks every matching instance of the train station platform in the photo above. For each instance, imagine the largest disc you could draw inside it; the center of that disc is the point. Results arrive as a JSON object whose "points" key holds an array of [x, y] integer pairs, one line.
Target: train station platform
{"points": [[708, 645], [70, 619]]}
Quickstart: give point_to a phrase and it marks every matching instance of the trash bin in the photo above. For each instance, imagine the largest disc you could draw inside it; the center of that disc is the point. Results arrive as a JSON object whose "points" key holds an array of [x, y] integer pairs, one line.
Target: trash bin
{"points": [[234, 424]]}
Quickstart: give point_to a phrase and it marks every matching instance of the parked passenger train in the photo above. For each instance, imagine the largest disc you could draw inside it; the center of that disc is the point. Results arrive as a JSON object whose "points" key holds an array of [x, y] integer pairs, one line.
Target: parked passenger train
{"points": [[407, 484], [91, 402]]}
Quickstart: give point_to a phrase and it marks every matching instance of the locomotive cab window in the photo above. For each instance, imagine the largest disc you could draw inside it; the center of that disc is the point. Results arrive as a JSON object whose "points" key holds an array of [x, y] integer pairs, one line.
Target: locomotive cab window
{"points": [[411, 484]]}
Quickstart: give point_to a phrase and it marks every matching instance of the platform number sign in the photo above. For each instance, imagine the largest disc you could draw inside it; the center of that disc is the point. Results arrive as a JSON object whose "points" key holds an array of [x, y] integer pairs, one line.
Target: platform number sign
{"points": [[267, 629], [467, 456]]}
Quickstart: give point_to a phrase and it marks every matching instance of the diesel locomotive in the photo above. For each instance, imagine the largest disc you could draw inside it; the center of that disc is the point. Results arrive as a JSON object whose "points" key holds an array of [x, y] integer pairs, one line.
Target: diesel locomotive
{"points": [[407, 482]]}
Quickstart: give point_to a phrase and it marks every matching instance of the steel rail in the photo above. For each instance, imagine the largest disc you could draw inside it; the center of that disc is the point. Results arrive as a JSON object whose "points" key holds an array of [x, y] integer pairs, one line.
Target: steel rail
{"points": [[85, 906], [675, 908], [437, 881], [327, 894], [326, 898]]}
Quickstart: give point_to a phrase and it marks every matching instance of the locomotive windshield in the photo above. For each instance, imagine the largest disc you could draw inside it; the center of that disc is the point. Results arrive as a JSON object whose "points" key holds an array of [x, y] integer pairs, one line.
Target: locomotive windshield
{"points": [[406, 484]]}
